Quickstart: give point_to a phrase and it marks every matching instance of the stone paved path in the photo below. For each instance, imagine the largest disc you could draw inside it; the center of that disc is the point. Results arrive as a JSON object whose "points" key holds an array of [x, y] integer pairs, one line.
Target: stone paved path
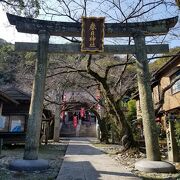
{"points": [[84, 162]]}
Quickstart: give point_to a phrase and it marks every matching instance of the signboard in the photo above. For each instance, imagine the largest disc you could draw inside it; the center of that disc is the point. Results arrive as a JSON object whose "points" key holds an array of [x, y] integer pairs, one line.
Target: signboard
{"points": [[92, 34], [16, 126]]}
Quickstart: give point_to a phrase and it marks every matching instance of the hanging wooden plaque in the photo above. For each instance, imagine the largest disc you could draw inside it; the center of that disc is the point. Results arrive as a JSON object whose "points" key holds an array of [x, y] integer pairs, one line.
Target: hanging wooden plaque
{"points": [[92, 34]]}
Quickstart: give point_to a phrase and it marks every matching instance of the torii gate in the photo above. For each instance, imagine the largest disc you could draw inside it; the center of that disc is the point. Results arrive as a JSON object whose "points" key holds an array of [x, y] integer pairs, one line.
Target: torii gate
{"points": [[136, 30]]}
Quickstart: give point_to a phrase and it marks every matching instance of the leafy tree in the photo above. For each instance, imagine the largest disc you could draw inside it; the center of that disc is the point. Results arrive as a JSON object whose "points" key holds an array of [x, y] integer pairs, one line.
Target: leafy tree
{"points": [[7, 70], [158, 63], [131, 110], [16, 68]]}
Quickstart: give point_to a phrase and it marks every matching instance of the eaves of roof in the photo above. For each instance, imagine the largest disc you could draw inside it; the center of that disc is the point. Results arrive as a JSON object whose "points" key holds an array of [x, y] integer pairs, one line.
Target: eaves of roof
{"points": [[17, 94], [6, 98], [174, 60]]}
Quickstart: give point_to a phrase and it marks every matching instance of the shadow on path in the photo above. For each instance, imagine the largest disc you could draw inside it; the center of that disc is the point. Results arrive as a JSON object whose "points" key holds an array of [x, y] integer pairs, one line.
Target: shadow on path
{"points": [[85, 171], [85, 162]]}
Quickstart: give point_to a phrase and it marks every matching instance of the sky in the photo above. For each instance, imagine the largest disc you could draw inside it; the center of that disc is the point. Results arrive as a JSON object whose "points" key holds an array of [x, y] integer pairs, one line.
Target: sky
{"points": [[10, 34]]}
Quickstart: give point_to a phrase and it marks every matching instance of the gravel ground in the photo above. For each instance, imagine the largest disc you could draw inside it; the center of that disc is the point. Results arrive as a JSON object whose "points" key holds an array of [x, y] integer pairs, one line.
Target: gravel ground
{"points": [[53, 152], [129, 158]]}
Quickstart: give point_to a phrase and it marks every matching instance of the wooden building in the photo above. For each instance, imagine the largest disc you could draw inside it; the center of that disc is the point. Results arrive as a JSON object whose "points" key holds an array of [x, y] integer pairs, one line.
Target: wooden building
{"points": [[162, 79], [15, 116], [4, 98]]}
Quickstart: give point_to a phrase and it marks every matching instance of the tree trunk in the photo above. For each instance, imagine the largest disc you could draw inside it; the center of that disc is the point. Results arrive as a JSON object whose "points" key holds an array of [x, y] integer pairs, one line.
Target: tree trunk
{"points": [[37, 97], [57, 118], [103, 127], [145, 93], [104, 130], [123, 130], [111, 105]]}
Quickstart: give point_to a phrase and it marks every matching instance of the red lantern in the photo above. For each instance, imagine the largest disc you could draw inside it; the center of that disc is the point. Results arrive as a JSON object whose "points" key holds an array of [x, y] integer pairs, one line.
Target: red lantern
{"points": [[75, 121], [82, 112], [62, 115]]}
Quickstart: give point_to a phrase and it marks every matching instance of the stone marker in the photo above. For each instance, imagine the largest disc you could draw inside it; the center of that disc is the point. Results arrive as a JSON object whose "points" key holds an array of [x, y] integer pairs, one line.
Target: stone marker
{"points": [[173, 152]]}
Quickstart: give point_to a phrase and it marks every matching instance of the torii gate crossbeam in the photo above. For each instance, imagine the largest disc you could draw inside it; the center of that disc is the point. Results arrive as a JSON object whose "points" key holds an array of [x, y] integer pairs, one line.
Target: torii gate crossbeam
{"points": [[55, 28], [76, 48]]}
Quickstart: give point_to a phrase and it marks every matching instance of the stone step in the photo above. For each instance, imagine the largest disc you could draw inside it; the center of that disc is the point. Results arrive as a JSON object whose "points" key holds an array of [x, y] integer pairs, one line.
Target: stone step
{"points": [[67, 130], [87, 131]]}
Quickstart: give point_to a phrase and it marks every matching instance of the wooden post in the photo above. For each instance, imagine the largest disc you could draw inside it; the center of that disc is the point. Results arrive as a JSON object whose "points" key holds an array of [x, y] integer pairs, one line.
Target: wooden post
{"points": [[145, 93], [36, 107]]}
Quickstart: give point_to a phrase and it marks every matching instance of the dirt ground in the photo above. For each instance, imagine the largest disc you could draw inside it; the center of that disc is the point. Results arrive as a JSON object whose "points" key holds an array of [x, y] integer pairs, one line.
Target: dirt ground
{"points": [[53, 152]]}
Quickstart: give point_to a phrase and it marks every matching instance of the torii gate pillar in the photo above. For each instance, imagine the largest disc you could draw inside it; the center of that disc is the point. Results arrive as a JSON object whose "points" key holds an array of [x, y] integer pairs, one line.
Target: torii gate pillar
{"points": [[35, 112], [145, 93], [37, 98]]}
